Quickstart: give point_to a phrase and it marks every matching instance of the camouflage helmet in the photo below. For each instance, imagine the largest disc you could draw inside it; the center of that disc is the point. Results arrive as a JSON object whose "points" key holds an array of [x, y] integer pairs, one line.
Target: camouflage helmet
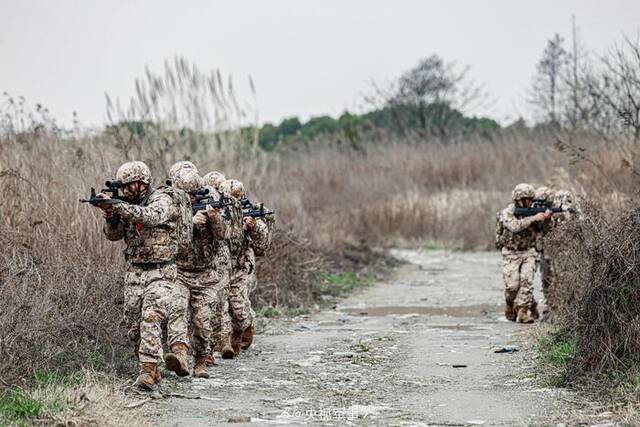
{"points": [[134, 171], [564, 199], [213, 179], [234, 188], [178, 166], [187, 180], [544, 193], [523, 191]]}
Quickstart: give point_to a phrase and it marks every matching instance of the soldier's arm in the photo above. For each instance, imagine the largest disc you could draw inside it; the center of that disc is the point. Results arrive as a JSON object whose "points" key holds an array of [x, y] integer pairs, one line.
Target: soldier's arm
{"points": [[159, 211], [219, 227], [113, 231], [514, 224], [259, 237]]}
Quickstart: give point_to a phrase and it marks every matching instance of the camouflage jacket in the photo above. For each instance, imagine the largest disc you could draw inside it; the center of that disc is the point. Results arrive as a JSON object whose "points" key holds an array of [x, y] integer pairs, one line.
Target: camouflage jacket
{"points": [[516, 234], [254, 242], [208, 242], [152, 230]]}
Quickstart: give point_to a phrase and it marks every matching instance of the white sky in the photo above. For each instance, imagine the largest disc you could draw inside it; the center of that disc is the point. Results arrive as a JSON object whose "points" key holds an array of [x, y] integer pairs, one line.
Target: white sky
{"points": [[306, 57]]}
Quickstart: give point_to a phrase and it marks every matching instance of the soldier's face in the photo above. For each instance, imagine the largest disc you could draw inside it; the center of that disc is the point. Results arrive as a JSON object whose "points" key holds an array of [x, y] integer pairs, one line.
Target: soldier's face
{"points": [[525, 203], [135, 191]]}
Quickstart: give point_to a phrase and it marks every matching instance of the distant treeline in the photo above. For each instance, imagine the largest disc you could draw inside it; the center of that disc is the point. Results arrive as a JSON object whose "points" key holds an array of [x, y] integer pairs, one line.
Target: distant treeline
{"points": [[433, 119]]}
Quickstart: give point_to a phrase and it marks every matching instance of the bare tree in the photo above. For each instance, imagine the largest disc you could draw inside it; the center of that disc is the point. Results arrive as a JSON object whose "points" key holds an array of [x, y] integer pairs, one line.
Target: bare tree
{"points": [[615, 88], [546, 91], [429, 97]]}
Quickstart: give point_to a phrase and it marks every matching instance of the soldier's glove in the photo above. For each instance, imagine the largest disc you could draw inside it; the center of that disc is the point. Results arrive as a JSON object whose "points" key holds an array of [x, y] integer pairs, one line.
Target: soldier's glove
{"points": [[200, 218]]}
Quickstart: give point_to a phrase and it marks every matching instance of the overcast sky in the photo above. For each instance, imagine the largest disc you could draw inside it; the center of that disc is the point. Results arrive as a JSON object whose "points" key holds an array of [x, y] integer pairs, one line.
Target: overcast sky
{"points": [[306, 57]]}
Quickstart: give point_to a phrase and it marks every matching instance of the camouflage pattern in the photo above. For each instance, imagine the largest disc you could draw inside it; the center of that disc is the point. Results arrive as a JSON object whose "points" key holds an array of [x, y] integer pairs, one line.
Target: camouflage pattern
{"points": [[518, 270], [234, 188], [213, 179], [152, 229], [204, 289], [181, 165], [134, 171], [517, 237], [515, 234], [523, 191], [243, 276], [187, 180], [151, 297], [544, 193]]}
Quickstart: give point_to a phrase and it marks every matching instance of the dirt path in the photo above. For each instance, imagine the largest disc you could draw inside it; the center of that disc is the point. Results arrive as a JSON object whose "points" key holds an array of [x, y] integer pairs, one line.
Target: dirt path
{"points": [[416, 350]]}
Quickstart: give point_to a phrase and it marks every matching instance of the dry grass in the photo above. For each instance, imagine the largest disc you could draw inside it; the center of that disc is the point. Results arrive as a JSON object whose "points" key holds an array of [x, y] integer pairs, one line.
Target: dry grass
{"points": [[61, 280]]}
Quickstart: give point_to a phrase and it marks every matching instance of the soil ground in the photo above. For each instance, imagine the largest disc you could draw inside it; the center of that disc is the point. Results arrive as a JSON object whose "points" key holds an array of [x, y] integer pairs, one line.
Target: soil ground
{"points": [[415, 349]]}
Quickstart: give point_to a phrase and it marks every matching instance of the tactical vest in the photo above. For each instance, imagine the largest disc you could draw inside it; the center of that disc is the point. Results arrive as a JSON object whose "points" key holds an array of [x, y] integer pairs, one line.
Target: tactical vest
{"points": [[522, 241], [160, 243]]}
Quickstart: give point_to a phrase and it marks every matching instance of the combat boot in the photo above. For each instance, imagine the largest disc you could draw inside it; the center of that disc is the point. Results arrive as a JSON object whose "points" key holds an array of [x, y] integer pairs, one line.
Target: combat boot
{"points": [[176, 361], [510, 312], [247, 338], [534, 311], [236, 341], [200, 367], [227, 351], [523, 315], [156, 375], [209, 360], [147, 378]]}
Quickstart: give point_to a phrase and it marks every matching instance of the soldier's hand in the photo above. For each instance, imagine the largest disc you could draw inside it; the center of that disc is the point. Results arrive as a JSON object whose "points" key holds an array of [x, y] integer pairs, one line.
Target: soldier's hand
{"points": [[107, 212], [547, 214], [541, 216], [213, 214], [200, 218], [249, 223], [103, 196]]}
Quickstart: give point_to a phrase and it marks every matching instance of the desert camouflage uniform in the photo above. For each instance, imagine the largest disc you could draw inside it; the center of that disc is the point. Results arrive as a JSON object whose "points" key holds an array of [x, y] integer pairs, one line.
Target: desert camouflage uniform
{"points": [[243, 275], [518, 240], [199, 272], [546, 262], [152, 295], [229, 251]]}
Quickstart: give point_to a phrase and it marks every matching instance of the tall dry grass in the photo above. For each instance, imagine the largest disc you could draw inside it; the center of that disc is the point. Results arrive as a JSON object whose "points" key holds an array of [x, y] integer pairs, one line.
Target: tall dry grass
{"points": [[60, 280]]}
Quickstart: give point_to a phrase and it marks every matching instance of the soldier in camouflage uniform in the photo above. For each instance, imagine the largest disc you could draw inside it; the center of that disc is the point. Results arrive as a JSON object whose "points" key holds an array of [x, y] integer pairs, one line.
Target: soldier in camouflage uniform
{"points": [[546, 195], [516, 237], [221, 324], [255, 241], [197, 268], [178, 166], [153, 224]]}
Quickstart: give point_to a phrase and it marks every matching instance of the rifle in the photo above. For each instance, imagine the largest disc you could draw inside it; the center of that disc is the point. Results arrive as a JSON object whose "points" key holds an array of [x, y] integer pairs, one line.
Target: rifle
{"points": [[112, 186], [521, 212], [203, 199], [253, 211]]}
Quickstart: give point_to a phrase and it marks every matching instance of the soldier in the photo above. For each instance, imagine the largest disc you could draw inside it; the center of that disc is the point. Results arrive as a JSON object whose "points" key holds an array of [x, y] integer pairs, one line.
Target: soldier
{"points": [[255, 241], [221, 323], [178, 166], [154, 223], [517, 239], [545, 195], [214, 179], [197, 269]]}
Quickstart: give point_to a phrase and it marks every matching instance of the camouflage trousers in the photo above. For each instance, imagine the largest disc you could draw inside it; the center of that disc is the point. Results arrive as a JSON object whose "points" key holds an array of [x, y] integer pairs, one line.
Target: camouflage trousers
{"points": [[151, 296], [547, 273], [220, 321], [518, 271], [204, 288], [240, 311]]}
